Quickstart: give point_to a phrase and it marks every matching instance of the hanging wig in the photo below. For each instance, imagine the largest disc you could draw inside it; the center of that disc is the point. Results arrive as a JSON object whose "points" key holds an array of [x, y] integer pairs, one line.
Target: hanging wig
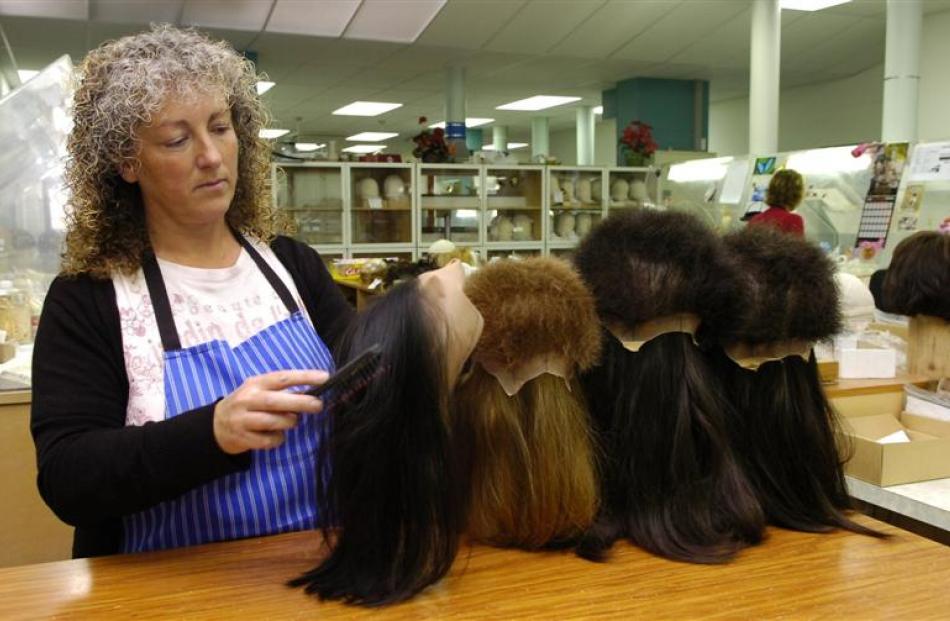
{"points": [[785, 428], [918, 278], [671, 482], [386, 477], [521, 424]]}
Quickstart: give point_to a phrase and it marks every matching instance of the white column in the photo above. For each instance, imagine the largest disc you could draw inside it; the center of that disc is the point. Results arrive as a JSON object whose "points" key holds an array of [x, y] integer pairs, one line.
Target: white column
{"points": [[764, 76], [499, 137], [901, 70], [455, 110], [540, 137], [585, 135]]}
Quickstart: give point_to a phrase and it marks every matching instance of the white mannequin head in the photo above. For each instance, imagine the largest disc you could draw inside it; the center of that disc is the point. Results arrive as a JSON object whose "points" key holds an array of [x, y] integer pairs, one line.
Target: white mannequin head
{"points": [[582, 224], [584, 190], [564, 224], [619, 189], [367, 188], [394, 187]]}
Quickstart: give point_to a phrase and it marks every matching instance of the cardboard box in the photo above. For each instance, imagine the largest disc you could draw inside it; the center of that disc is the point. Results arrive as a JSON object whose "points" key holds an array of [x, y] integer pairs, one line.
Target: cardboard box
{"points": [[925, 457]]}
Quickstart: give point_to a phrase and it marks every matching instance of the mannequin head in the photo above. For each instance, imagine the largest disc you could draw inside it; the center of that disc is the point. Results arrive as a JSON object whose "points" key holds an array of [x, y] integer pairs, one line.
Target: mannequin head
{"points": [[918, 278], [401, 511]]}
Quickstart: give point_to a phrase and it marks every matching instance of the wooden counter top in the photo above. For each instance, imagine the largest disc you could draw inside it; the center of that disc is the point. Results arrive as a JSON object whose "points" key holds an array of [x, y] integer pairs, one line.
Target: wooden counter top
{"points": [[792, 575], [855, 387]]}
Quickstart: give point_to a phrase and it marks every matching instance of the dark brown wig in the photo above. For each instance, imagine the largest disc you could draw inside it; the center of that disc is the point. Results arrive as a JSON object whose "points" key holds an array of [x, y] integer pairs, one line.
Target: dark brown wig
{"points": [[918, 278], [386, 480], [529, 454], [784, 431], [671, 482]]}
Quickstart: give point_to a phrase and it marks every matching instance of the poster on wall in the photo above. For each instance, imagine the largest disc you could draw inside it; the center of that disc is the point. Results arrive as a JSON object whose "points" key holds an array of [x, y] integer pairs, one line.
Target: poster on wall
{"points": [[930, 162], [762, 170], [908, 214], [889, 163]]}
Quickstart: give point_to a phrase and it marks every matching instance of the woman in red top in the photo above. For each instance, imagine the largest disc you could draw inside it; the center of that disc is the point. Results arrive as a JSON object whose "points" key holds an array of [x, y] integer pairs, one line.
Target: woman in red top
{"points": [[784, 194]]}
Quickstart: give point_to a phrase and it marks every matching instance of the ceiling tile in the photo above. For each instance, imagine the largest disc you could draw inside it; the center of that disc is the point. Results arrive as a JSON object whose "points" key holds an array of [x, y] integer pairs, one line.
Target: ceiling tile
{"points": [[326, 18], [680, 28], [469, 24], [136, 11], [540, 25], [811, 30], [57, 9], [229, 14], [725, 46], [610, 27], [385, 20]]}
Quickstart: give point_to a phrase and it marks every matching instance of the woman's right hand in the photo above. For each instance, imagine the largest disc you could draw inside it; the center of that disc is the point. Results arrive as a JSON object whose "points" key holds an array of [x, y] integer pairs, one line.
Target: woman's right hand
{"points": [[260, 411]]}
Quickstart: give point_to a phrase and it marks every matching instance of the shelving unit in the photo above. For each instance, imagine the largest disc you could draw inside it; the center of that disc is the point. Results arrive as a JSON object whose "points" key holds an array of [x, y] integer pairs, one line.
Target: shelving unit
{"points": [[352, 210]]}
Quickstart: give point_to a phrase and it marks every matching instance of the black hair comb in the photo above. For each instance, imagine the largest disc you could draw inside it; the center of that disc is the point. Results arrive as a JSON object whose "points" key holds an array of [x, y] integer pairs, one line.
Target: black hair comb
{"points": [[353, 377]]}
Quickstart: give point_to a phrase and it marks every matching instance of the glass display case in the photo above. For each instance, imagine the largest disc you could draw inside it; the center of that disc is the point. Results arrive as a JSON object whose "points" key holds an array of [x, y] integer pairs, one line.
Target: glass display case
{"points": [[711, 189], [514, 254], [514, 206], [450, 204], [312, 194], [34, 123], [381, 203], [631, 188], [575, 204]]}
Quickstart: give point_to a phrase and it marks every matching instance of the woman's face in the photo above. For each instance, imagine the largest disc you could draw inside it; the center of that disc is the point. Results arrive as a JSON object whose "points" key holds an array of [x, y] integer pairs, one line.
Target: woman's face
{"points": [[188, 162]]}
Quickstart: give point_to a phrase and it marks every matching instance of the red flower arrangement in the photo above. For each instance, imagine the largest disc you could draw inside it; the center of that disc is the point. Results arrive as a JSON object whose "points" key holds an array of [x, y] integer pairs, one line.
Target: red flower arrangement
{"points": [[431, 145], [637, 143]]}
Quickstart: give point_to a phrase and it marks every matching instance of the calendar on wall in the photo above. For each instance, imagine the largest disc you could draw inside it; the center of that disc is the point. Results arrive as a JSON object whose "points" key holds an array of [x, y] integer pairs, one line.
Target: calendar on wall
{"points": [[889, 163]]}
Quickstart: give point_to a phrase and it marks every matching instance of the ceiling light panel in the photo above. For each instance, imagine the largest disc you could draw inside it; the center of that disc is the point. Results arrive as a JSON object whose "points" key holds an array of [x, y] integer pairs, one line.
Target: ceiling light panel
{"points": [[306, 147], [385, 20], [79, 9], [228, 14], [538, 102], [470, 121], [810, 5], [372, 136], [366, 108], [327, 18], [272, 132], [598, 109], [365, 148], [511, 146], [263, 86]]}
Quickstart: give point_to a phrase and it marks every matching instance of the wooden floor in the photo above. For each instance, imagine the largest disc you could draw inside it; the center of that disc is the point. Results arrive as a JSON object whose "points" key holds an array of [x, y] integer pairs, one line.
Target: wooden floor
{"points": [[793, 575]]}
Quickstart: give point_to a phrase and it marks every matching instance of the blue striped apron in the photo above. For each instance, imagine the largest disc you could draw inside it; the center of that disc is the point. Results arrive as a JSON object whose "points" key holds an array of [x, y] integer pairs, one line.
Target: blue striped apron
{"points": [[277, 493]]}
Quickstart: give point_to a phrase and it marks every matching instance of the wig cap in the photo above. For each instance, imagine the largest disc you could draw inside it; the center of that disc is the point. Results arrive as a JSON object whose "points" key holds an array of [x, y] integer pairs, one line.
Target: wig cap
{"points": [[647, 265], [539, 318], [788, 291]]}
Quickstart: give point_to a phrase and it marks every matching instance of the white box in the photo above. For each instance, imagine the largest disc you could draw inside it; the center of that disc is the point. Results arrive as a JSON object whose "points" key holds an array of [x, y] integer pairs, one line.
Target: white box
{"points": [[867, 363]]}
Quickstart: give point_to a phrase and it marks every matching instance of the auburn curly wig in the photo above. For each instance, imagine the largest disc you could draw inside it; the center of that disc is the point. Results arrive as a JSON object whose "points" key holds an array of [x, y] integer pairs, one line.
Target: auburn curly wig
{"points": [[121, 85], [530, 455]]}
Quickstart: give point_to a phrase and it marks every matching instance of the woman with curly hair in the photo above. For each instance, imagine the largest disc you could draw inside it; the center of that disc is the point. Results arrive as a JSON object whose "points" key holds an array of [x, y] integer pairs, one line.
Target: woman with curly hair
{"points": [[166, 346]]}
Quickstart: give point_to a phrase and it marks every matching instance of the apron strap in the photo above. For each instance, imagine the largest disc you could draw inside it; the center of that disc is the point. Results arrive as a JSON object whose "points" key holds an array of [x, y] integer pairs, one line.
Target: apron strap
{"points": [[163, 308], [278, 285]]}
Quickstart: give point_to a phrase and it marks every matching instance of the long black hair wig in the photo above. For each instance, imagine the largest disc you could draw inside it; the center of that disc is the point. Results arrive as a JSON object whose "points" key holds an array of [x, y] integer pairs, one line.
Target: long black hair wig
{"points": [[671, 482], [785, 431], [386, 478]]}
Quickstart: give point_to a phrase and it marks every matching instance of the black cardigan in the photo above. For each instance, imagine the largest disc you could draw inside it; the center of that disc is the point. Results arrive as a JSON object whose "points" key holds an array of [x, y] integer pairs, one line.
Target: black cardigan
{"points": [[92, 468]]}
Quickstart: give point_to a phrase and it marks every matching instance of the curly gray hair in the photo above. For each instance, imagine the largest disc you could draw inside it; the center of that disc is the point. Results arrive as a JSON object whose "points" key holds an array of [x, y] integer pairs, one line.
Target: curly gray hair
{"points": [[121, 85]]}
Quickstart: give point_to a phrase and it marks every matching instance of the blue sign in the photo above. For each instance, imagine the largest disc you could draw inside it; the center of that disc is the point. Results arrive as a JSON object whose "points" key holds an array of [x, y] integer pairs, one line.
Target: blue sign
{"points": [[455, 130]]}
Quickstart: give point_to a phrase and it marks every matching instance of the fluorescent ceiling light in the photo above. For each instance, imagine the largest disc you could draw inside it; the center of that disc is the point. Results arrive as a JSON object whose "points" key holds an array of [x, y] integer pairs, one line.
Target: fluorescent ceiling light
{"points": [[26, 74], [828, 161], [365, 148], [263, 86], [598, 109], [810, 5], [712, 169], [470, 121], [372, 136], [538, 102], [308, 146], [385, 20], [366, 108], [271, 133], [511, 146]]}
